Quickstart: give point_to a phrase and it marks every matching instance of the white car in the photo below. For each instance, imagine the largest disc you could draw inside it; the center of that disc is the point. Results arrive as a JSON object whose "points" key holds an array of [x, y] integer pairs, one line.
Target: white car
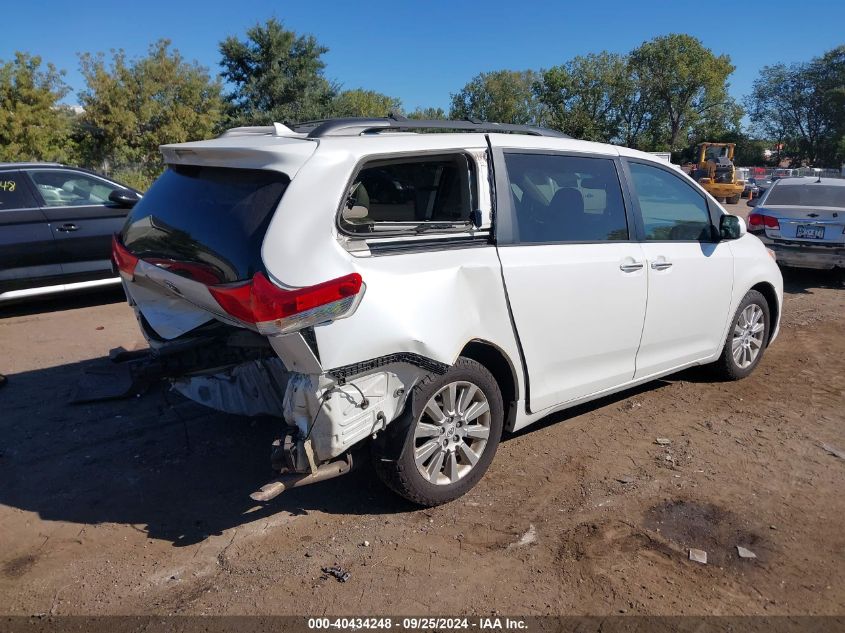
{"points": [[417, 294]]}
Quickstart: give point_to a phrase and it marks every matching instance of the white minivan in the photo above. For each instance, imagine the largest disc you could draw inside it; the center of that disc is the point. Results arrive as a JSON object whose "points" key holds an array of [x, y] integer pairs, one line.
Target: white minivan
{"points": [[412, 295]]}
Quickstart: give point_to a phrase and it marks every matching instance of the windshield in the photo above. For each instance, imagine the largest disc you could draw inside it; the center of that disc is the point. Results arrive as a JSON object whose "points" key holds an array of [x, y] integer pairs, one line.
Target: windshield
{"points": [[809, 195], [205, 223]]}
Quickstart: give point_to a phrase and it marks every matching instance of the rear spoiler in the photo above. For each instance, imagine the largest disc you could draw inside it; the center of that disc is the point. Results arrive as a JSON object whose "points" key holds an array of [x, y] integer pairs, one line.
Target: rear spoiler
{"points": [[246, 150]]}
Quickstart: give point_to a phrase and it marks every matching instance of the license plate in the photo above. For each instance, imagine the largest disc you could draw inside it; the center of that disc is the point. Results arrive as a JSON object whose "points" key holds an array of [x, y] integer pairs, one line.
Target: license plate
{"points": [[809, 231]]}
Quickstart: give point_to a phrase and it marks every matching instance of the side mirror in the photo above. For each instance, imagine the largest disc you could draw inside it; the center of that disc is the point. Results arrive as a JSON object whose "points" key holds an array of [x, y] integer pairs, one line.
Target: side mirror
{"points": [[732, 227], [753, 202], [124, 198]]}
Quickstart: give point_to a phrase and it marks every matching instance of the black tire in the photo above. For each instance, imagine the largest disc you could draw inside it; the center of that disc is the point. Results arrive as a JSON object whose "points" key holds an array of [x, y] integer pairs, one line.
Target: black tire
{"points": [[732, 199], [402, 475], [727, 366]]}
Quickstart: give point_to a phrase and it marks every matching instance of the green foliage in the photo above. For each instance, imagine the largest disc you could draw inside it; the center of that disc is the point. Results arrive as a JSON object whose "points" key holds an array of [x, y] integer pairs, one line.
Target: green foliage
{"points": [[276, 76], [364, 103], [802, 106], [428, 114], [32, 124], [669, 93], [133, 106], [688, 85], [585, 96], [135, 178], [504, 96]]}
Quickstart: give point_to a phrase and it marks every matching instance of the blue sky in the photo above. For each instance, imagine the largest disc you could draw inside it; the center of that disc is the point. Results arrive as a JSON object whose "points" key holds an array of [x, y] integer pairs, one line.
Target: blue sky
{"points": [[423, 51]]}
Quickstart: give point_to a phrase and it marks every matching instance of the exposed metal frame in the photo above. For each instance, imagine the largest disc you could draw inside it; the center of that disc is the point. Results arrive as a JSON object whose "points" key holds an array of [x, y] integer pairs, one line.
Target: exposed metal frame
{"points": [[357, 126]]}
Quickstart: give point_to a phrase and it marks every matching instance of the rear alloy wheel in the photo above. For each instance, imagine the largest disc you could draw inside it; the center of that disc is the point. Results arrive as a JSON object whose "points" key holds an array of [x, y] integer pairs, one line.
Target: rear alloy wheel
{"points": [[456, 425], [451, 433], [746, 339]]}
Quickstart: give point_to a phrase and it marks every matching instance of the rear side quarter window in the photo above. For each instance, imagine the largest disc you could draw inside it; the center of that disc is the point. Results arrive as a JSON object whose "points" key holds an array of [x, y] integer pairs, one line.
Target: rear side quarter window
{"points": [[411, 194], [14, 193]]}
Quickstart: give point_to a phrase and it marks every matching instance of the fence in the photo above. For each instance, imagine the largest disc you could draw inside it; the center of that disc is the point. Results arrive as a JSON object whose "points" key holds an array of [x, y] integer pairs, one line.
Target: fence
{"points": [[759, 172]]}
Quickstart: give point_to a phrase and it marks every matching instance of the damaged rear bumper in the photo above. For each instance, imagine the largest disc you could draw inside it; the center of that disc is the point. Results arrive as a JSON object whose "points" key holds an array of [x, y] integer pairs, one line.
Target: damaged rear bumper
{"points": [[332, 411]]}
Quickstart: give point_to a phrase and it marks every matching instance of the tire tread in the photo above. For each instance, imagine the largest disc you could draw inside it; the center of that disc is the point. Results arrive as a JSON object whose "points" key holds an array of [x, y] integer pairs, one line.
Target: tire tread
{"points": [[395, 474]]}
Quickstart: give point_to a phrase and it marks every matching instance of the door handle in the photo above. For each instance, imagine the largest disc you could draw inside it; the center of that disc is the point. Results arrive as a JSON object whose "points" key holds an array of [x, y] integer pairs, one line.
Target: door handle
{"points": [[661, 265], [67, 228], [631, 267]]}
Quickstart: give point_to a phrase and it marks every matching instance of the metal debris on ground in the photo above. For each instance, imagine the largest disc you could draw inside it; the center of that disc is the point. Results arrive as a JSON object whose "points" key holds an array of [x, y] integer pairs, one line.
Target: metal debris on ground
{"points": [[625, 479], [338, 572], [837, 452], [698, 555], [745, 553], [663, 441]]}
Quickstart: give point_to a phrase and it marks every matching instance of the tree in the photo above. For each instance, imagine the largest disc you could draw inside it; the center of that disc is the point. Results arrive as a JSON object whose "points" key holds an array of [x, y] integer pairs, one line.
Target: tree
{"points": [[802, 106], [133, 106], [584, 96], [428, 114], [828, 74], [364, 103], [33, 125], [687, 81], [277, 76], [640, 120], [503, 96]]}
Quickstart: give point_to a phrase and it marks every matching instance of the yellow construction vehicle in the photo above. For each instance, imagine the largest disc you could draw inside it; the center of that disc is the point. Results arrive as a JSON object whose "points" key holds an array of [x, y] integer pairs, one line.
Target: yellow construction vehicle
{"points": [[715, 171]]}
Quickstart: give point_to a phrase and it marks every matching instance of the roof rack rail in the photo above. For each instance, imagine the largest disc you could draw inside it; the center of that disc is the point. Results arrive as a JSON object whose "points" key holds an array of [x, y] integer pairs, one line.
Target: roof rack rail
{"points": [[357, 126]]}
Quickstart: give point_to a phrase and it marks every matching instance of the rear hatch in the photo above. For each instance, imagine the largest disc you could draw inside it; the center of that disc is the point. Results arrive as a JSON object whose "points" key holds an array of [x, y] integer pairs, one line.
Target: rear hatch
{"points": [[200, 226]]}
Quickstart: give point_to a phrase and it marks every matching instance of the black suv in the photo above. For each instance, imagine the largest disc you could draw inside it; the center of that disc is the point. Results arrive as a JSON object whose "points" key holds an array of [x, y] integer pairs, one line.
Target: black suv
{"points": [[56, 225]]}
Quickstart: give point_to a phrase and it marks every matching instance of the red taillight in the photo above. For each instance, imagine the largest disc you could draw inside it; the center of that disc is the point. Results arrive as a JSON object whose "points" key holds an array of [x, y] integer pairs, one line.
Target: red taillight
{"points": [[122, 258], [759, 221], [275, 310]]}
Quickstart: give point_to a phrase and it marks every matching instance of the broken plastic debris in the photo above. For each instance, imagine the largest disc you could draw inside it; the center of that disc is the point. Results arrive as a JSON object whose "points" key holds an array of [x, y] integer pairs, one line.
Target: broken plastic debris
{"points": [[834, 451], [663, 441], [698, 555], [338, 572], [625, 479], [745, 553], [365, 544], [528, 538]]}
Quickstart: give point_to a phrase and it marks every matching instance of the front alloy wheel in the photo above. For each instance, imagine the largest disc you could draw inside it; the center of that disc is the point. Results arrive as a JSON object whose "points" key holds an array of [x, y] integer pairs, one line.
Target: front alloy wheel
{"points": [[748, 336], [746, 339]]}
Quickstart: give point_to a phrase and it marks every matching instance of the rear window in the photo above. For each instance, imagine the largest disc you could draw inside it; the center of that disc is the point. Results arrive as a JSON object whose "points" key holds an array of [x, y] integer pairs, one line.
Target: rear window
{"points": [[206, 223], [810, 195]]}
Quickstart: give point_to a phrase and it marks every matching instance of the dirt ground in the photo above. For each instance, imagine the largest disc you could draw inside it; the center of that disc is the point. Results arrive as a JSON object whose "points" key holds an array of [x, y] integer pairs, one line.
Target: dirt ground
{"points": [[141, 506]]}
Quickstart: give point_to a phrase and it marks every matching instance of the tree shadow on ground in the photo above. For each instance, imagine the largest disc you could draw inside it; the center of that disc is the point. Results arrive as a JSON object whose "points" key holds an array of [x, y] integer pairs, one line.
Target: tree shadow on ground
{"points": [[178, 470]]}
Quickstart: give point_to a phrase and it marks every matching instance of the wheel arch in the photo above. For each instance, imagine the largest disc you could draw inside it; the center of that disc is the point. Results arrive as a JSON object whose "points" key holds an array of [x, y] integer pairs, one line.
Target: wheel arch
{"points": [[497, 363], [770, 295]]}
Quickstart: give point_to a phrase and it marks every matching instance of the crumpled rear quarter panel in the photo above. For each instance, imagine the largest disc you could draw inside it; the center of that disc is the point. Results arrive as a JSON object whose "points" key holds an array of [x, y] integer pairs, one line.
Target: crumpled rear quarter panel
{"points": [[430, 303]]}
